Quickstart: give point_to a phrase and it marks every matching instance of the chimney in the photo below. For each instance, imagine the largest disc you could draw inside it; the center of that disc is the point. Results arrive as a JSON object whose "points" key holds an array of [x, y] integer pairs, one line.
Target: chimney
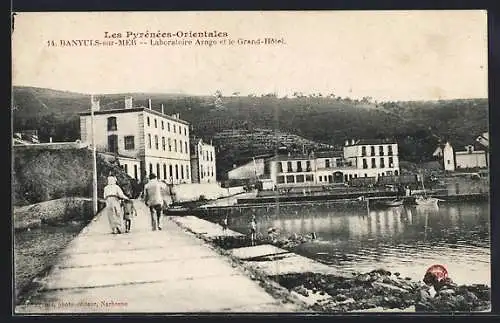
{"points": [[50, 139], [128, 102], [94, 103], [162, 109], [347, 142], [352, 142], [149, 104]]}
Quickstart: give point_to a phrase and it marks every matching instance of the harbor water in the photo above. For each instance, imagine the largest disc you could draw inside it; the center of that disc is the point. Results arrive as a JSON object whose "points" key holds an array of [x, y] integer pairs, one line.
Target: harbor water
{"points": [[405, 239]]}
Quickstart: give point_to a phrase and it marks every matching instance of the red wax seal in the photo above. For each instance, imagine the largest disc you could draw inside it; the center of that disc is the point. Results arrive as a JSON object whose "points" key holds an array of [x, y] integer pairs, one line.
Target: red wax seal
{"points": [[438, 271]]}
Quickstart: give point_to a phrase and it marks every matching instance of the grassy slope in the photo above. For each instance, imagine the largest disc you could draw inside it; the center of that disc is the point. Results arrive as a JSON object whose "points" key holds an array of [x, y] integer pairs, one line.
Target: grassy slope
{"points": [[41, 175], [416, 125]]}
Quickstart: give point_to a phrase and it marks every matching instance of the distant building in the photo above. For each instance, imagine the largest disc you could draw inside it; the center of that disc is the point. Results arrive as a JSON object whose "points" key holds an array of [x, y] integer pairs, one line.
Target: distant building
{"points": [[470, 158], [158, 141], [359, 158], [203, 163], [250, 170]]}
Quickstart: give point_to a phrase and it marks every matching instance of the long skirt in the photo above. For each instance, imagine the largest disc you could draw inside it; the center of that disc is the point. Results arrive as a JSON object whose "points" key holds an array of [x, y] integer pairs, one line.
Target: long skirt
{"points": [[115, 213]]}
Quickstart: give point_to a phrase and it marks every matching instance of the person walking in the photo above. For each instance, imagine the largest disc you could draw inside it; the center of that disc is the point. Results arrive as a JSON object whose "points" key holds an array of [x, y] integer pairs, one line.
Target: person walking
{"points": [[153, 197], [253, 229], [113, 195]]}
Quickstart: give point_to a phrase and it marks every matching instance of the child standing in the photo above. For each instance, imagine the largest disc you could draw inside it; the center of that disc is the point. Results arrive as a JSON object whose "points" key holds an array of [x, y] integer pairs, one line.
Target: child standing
{"points": [[253, 229], [128, 211], [224, 224]]}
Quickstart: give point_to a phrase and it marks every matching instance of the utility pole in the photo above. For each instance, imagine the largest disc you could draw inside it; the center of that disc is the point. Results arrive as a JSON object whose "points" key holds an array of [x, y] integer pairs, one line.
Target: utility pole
{"points": [[94, 158]]}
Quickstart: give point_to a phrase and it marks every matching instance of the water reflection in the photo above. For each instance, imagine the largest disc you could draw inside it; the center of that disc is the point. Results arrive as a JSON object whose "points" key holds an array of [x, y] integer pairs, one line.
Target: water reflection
{"points": [[406, 239]]}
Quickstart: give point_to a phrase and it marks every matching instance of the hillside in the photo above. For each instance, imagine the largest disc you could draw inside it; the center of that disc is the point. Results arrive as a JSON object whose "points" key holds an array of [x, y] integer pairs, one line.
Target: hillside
{"points": [[418, 126], [44, 174]]}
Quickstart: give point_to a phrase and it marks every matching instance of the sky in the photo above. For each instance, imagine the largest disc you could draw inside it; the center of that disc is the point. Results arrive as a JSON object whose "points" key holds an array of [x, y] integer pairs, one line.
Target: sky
{"points": [[386, 55]]}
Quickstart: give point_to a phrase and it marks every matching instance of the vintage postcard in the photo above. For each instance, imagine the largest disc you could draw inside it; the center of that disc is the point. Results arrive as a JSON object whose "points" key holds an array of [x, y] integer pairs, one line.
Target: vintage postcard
{"points": [[257, 162]]}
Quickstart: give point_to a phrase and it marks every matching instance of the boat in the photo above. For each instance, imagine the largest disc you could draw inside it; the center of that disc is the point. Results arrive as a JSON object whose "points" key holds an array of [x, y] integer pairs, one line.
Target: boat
{"points": [[426, 200], [391, 203]]}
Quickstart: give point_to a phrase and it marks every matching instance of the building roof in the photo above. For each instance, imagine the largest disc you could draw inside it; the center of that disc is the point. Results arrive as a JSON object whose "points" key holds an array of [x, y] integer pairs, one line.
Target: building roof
{"points": [[118, 156], [136, 109], [360, 142], [322, 154]]}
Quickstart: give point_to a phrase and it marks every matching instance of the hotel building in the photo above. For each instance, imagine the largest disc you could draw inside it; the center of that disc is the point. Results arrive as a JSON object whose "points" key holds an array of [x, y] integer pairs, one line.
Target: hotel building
{"points": [[144, 140]]}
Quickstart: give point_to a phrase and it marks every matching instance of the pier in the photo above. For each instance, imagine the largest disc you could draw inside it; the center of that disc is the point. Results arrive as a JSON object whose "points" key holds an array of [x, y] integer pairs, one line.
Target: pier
{"points": [[146, 271]]}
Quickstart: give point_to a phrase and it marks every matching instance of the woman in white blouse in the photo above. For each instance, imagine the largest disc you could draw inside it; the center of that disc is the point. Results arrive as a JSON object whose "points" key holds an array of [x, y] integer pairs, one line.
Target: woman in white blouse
{"points": [[113, 194]]}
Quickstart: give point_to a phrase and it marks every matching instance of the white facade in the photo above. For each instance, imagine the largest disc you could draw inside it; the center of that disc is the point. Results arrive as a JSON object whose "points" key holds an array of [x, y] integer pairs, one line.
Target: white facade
{"points": [[362, 158], [372, 158], [203, 163], [448, 157], [160, 142]]}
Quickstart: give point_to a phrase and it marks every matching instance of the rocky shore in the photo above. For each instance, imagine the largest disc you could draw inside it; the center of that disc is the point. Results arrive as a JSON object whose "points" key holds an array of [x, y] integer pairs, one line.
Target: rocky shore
{"points": [[378, 290], [384, 290]]}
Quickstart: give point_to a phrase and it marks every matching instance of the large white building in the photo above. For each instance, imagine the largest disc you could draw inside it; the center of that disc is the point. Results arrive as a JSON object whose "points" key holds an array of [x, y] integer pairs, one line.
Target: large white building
{"points": [[359, 158], [145, 141], [203, 162]]}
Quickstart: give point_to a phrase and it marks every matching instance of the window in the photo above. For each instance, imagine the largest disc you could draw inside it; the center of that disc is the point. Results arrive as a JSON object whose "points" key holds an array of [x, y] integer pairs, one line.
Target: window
{"points": [[182, 171], [163, 143], [169, 144], [365, 164], [389, 150], [350, 176], [168, 126], [448, 161], [289, 168], [156, 142], [112, 124], [185, 131], [156, 124], [180, 145], [309, 178], [211, 157], [164, 171], [372, 150], [300, 178], [201, 171], [374, 165], [147, 121], [290, 179], [327, 163], [391, 164], [355, 175], [320, 178], [150, 168], [187, 172], [113, 143], [158, 170], [176, 171], [363, 151], [149, 141], [366, 175], [125, 168], [308, 166], [382, 162], [381, 150], [175, 144], [280, 179], [162, 125], [280, 167], [174, 128], [129, 142], [135, 172], [170, 171], [186, 147], [396, 173], [299, 166]]}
